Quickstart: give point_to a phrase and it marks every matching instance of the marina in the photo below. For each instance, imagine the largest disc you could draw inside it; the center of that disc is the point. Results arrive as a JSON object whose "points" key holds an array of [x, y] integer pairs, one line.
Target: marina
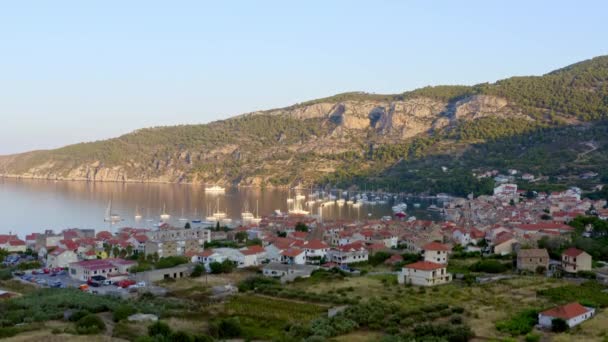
{"points": [[60, 205]]}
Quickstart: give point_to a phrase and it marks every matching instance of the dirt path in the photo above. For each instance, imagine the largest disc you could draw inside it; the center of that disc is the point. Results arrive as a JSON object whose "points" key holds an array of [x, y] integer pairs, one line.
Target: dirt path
{"points": [[592, 147]]}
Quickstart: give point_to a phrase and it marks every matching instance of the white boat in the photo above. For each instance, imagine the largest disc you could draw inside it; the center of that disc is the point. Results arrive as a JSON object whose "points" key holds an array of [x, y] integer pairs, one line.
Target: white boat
{"points": [[310, 203], [289, 200], [300, 197], [137, 214], [217, 215], [215, 189], [297, 210], [183, 218], [357, 204], [398, 208], [350, 202], [340, 202], [432, 207], [247, 215], [256, 218], [196, 219], [110, 215], [416, 205], [164, 216]]}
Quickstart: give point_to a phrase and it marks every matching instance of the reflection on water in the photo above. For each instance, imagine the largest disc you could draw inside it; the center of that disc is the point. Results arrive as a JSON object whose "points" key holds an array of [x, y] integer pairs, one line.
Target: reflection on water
{"points": [[34, 205]]}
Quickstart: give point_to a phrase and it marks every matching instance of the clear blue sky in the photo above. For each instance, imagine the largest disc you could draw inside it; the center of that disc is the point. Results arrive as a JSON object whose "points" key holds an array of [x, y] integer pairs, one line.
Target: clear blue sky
{"points": [[75, 71]]}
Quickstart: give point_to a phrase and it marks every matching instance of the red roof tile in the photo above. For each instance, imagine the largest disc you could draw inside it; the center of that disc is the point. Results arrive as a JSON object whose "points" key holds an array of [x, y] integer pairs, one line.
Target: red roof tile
{"points": [[572, 252], [292, 252], [436, 246], [425, 266], [567, 311]]}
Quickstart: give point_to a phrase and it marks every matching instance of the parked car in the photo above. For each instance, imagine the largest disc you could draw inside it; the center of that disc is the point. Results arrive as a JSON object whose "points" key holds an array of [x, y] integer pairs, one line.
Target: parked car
{"points": [[125, 283], [19, 273], [83, 287], [56, 284]]}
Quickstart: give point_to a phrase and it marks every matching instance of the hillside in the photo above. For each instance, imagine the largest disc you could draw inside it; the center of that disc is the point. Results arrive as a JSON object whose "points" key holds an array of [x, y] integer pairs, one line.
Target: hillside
{"points": [[389, 141]]}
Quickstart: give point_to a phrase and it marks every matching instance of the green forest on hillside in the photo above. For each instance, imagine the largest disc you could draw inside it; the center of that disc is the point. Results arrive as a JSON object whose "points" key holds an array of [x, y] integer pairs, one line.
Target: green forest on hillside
{"points": [[566, 110]]}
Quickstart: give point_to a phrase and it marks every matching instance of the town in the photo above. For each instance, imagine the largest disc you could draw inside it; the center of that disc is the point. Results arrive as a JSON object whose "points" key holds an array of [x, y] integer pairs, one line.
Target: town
{"points": [[536, 240]]}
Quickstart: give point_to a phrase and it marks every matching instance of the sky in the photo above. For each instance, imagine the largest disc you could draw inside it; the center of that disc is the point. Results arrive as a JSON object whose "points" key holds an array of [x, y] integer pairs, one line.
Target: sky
{"points": [[73, 71]]}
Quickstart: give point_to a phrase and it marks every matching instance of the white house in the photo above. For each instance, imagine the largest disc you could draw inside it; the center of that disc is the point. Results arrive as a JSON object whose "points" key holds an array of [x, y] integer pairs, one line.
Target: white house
{"points": [[348, 254], [315, 250], [293, 256], [436, 252], [424, 273], [288, 272], [60, 258], [572, 313], [241, 260]]}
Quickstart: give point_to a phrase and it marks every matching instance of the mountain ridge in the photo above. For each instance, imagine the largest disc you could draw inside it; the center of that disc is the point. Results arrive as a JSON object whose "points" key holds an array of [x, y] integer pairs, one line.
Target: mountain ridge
{"points": [[307, 142]]}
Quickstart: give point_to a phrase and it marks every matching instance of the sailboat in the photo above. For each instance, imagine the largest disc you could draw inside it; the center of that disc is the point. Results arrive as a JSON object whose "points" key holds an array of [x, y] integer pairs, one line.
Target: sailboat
{"points": [[256, 218], [164, 216], [149, 219], [196, 219], [111, 216], [137, 214], [217, 215], [183, 218], [340, 201], [297, 209], [247, 215]]}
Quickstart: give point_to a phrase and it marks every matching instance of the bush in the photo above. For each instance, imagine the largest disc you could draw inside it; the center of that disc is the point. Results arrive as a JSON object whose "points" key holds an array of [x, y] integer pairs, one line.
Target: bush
{"points": [[229, 328], [123, 312], [90, 324], [76, 316], [159, 328], [559, 325], [532, 337], [520, 324], [198, 271], [171, 261], [257, 282], [181, 336], [489, 266]]}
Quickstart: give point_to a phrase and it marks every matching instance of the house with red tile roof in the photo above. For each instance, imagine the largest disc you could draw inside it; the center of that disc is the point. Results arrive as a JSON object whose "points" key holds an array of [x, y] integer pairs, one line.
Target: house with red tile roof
{"points": [[68, 244], [60, 257], [394, 259], [348, 254], [111, 268], [436, 252], [424, 273], [293, 256], [15, 246], [575, 260], [573, 313]]}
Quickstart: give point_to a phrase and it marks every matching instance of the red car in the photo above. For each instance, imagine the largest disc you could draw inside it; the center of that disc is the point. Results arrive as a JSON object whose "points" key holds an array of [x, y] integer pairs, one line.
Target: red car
{"points": [[125, 283], [46, 271]]}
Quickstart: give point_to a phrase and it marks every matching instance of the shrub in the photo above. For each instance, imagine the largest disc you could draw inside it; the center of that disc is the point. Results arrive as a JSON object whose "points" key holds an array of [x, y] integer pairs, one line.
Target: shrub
{"points": [[159, 328], [229, 328], [532, 337], [90, 324], [76, 316], [456, 319], [520, 324], [123, 312], [198, 271], [559, 325], [489, 266], [181, 336]]}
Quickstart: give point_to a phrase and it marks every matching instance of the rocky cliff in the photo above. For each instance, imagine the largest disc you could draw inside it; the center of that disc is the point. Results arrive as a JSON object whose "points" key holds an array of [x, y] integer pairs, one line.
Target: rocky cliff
{"points": [[307, 142]]}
